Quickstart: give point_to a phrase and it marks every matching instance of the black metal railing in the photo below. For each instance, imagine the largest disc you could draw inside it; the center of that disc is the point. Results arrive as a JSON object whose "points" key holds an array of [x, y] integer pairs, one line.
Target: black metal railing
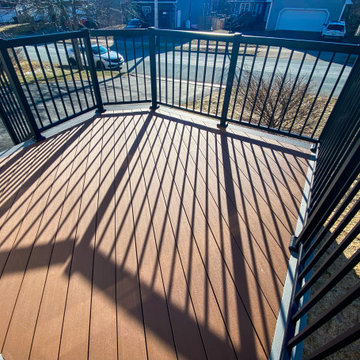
{"points": [[128, 82], [280, 85], [309, 90], [192, 70], [11, 114], [50, 84], [326, 291], [289, 85], [285, 86]]}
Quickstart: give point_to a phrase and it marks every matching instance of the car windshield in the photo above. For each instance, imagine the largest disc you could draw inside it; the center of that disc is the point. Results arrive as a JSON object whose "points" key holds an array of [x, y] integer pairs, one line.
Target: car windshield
{"points": [[134, 22], [336, 27], [99, 49]]}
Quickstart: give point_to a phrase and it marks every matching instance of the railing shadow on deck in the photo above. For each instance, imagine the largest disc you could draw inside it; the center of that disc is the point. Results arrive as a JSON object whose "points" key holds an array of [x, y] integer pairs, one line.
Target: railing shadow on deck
{"points": [[233, 223]]}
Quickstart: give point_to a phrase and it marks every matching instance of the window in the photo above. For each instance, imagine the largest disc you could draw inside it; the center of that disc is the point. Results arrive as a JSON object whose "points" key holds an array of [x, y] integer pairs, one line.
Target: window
{"points": [[146, 10], [336, 27], [244, 7], [100, 49]]}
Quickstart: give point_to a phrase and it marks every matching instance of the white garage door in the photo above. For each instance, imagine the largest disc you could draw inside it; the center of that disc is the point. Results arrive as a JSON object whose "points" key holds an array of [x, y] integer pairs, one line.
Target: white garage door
{"points": [[302, 20]]}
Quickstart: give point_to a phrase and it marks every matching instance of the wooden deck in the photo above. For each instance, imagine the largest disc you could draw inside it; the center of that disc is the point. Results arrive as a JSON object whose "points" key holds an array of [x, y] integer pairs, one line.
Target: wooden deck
{"points": [[140, 235]]}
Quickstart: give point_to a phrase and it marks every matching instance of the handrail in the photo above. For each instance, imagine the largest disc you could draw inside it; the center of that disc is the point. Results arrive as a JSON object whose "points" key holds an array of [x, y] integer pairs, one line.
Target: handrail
{"points": [[302, 44], [122, 32], [247, 39], [41, 39], [194, 35]]}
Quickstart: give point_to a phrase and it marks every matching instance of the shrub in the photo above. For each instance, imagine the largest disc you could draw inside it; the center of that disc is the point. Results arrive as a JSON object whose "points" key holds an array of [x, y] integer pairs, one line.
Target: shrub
{"points": [[276, 102]]}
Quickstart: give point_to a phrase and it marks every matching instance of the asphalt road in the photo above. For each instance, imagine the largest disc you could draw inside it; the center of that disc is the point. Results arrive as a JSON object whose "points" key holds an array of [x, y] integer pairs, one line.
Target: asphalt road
{"points": [[177, 67]]}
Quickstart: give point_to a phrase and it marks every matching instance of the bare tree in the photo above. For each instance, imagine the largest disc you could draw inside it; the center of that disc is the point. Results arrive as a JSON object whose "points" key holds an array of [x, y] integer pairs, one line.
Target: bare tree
{"points": [[63, 14], [277, 102]]}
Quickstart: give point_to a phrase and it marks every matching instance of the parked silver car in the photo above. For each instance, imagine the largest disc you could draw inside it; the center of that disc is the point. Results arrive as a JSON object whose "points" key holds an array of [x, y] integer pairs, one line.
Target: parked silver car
{"points": [[104, 58], [334, 30]]}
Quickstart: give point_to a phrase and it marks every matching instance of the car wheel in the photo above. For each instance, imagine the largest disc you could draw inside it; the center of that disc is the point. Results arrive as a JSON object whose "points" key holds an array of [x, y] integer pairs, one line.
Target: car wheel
{"points": [[100, 65], [72, 62]]}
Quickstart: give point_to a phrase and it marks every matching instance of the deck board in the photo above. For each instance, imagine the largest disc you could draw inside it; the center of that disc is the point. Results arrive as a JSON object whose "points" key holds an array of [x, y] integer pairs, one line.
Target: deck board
{"points": [[103, 302], [48, 329], [204, 248], [130, 324], [191, 262], [37, 244], [75, 330], [146, 235], [188, 343], [20, 234], [216, 238], [157, 323]]}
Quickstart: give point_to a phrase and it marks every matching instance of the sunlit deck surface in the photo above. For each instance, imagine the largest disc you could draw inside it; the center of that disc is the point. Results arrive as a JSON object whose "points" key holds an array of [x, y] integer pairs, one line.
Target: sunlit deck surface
{"points": [[146, 235]]}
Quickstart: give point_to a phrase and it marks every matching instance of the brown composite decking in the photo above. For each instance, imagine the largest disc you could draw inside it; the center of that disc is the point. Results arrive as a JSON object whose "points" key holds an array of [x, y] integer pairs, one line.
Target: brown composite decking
{"points": [[143, 235]]}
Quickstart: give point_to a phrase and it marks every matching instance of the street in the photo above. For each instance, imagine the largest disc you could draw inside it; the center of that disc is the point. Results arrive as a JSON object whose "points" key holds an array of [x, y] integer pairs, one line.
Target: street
{"points": [[173, 66]]}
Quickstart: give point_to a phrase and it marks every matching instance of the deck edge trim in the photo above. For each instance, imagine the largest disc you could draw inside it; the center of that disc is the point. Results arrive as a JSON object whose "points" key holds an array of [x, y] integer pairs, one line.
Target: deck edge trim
{"points": [[289, 280]]}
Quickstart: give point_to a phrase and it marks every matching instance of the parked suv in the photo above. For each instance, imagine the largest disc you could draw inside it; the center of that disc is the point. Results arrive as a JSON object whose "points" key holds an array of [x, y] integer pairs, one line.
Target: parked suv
{"points": [[334, 30]]}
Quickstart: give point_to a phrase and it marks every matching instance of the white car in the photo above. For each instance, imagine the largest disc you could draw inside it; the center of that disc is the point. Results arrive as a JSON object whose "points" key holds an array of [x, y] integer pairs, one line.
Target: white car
{"points": [[104, 58], [334, 30]]}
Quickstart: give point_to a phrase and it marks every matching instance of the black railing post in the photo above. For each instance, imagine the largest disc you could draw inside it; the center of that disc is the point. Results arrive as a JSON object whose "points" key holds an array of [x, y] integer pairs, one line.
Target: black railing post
{"points": [[152, 35], [10, 72], [230, 80], [93, 73]]}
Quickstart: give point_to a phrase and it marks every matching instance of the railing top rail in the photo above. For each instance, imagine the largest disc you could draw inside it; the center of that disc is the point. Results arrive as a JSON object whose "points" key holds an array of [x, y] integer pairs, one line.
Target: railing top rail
{"points": [[195, 35], [122, 32], [247, 39], [302, 44], [41, 39]]}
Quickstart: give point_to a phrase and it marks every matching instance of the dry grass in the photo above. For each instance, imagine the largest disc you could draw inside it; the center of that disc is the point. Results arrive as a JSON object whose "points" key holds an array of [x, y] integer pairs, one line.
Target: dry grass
{"points": [[35, 72], [276, 102], [268, 106], [10, 30], [15, 29]]}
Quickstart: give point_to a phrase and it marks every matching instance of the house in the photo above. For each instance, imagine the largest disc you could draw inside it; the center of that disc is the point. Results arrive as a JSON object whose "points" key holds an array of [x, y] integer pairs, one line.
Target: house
{"points": [[166, 8], [255, 7], [191, 13], [176, 14], [300, 15], [258, 10]]}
